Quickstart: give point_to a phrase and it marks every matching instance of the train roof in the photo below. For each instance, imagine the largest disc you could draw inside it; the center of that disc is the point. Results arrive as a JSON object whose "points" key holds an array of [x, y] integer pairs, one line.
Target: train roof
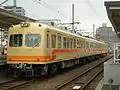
{"points": [[62, 31], [70, 33]]}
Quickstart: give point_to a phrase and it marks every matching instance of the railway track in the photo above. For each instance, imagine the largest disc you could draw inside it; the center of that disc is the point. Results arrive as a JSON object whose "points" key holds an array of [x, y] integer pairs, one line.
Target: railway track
{"points": [[60, 81], [14, 83], [83, 79], [92, 85]]}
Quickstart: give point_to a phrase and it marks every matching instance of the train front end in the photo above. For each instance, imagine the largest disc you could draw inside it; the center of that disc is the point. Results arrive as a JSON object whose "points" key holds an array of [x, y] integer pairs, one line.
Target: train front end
{"points": [[24, 49]]}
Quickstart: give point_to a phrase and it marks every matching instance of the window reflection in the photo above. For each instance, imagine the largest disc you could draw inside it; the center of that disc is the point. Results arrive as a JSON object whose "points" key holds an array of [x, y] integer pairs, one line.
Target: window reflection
{"points": [[32, 40]]}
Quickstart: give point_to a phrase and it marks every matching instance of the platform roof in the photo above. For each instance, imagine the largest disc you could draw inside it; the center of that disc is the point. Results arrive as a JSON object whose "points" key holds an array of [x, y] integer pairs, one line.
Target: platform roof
{"points": [[9, 18], [113, 11]]}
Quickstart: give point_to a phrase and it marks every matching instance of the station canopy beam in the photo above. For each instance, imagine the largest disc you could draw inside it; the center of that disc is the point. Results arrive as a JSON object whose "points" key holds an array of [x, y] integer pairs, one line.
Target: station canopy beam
{"points": [[113, 11], [8, 18]]}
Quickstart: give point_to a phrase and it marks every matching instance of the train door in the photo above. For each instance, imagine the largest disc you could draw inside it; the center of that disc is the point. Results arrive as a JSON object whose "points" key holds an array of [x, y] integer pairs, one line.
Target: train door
{"points": [[53, 45], [48, 45]]}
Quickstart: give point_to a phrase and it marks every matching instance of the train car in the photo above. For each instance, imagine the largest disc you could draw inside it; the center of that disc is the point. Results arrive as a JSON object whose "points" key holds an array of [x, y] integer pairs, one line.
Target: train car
{"points": [[38, 49]]}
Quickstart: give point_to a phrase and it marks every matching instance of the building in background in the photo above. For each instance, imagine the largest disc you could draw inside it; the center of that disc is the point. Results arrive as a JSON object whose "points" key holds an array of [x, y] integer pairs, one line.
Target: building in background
{"points": [[107, 35]]}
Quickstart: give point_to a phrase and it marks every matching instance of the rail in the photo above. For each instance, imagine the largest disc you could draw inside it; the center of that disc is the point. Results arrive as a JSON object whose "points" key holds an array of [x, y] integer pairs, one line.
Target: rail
{"points": [[79, 75], [14, 83]]}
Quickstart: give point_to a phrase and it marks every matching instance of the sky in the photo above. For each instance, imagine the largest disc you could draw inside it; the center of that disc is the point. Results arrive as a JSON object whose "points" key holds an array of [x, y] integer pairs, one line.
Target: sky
{"points": [[87, 12]]}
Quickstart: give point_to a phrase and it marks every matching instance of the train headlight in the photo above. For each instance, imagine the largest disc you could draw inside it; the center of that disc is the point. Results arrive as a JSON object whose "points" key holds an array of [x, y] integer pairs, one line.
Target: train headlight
{"points": [[24, 24]]}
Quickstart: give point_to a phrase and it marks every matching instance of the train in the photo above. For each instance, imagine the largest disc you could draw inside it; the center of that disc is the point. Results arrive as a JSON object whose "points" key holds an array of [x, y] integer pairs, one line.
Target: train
{"points": [[36, 49]]}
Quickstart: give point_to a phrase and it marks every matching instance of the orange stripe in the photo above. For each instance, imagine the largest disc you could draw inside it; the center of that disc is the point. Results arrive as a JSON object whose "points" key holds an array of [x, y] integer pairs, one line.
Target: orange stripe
{"points": [[23, 60], [27, 61], [30, 58], [76, 50], [67, 50], [49, 58]]}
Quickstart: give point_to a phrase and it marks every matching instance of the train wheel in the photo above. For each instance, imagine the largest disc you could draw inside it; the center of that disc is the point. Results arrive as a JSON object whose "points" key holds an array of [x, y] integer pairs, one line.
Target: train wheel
{"points": [[53, 69], [84, 61], [42, 70], [90, 59]]}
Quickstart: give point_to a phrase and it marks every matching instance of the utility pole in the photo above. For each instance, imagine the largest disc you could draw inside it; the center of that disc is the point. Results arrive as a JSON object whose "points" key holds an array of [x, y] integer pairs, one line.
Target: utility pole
{"points": [[14, 5], [73, 22], [73, 18]]}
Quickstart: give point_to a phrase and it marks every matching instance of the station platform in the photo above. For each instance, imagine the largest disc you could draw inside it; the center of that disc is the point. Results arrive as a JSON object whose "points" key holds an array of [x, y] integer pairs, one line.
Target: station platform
{"points": [[111, 70], [2, 60], [100, 84], [3, 77]]}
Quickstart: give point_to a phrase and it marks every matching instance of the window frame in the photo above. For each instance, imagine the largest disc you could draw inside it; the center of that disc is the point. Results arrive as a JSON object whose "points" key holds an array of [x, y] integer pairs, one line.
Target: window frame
{"points": [[53, 42], [33, 45], [64, 42], [13, 40], [59, 41]]}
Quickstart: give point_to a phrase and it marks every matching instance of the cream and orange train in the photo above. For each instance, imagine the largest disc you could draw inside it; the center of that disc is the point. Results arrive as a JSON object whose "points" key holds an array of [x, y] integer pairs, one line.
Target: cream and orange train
{"points": [[37, 49]]}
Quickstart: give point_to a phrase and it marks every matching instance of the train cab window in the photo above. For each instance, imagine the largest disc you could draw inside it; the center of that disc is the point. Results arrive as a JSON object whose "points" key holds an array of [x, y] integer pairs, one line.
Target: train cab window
{"points": [[59, 42], [32, 40], [53, 41], [16, 40]]}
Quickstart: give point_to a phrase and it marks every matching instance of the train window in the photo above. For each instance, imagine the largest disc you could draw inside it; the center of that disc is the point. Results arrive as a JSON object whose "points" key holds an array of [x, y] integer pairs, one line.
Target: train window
{"points": [[77, 42], [83, 43], [71, 43], [74, 43], [48, 41], [87, 44], [64, 42], [53, 41], [92, 45], [32, 40], [80, 43], [15, 40], [59, 42], [67, 42]]}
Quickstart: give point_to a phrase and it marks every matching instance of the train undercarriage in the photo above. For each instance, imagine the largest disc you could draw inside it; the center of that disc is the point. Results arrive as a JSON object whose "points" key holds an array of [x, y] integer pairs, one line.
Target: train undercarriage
{"points": [[37, 70]]}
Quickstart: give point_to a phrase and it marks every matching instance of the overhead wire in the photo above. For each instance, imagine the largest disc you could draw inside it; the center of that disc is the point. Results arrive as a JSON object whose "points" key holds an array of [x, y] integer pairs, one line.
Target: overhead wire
{"points": [[3, 2], [95, 12], [89, 3], [32, 15], [51, 8]]}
